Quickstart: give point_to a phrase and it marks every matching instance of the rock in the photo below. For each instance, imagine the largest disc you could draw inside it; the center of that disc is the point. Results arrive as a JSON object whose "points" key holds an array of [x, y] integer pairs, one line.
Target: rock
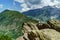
{"points": [[20, 38], [32, 36], [44, 34], [49, 34], [42, 26], [41, 31], [55, 24], [29, 26], [34, 26], [24, 37], [29, 36]]}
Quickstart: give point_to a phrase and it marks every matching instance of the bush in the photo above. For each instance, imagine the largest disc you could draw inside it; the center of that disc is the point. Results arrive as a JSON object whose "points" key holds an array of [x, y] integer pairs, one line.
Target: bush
{"points": [[5, 37]]}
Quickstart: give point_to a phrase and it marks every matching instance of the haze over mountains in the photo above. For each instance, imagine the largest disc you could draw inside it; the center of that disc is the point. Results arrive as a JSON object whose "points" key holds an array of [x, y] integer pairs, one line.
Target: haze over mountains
{"points": [[44, 13]]}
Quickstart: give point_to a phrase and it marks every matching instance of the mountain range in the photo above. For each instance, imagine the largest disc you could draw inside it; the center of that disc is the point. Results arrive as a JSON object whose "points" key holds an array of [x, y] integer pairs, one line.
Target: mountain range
{"points": [[11, 22], [45, 13]]}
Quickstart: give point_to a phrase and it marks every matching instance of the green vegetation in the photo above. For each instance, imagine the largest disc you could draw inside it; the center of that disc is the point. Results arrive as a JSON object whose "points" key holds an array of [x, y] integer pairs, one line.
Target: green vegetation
{"points": [[11, 23], [5, 37]]}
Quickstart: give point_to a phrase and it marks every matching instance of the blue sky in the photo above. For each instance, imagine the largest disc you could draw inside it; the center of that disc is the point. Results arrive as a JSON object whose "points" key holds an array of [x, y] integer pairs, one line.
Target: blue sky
{"points": [[10, 4], [25, 5]]}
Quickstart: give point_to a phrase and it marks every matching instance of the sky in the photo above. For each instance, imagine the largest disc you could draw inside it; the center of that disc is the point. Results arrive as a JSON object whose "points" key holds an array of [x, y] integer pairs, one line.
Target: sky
{"points": [[9, 4], [25, 5]]}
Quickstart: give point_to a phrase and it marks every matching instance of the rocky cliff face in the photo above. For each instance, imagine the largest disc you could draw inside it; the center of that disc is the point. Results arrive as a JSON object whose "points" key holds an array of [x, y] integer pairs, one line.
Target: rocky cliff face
{"points": [[41, 31]]}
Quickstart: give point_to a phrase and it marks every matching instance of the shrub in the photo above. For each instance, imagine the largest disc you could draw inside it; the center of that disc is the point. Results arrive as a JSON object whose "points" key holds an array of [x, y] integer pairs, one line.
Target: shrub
{"points": [[5, 37]]}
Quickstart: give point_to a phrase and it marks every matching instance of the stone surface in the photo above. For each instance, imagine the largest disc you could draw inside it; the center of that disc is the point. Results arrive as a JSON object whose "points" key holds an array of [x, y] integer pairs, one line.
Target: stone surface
{"points": [[41, 31], [55, 24], [44, 34]]}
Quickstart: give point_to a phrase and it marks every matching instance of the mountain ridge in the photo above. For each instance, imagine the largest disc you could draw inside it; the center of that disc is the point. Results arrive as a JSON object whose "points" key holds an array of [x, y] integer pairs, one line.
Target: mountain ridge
{"points": [[11, 23], [46, 12]]}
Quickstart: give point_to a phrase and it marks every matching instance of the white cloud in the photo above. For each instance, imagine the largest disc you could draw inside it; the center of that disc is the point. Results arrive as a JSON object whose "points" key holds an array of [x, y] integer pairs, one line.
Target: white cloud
{"points": [[24, 7], [20, 1], [34, 4], [54, 17], [1, 6]]}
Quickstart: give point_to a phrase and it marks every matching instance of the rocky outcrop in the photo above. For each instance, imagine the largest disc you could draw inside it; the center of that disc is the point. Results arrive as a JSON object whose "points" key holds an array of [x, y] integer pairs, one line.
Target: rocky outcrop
{"points": [[41, 31], [54, 24], [29, 26], [49, 34], [44, 34], [34, 26], [42, 26]]}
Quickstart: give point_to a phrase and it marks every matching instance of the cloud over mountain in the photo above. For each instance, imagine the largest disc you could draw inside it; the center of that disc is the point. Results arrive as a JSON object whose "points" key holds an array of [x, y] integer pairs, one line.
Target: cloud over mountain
{"points": [[34, 4]]}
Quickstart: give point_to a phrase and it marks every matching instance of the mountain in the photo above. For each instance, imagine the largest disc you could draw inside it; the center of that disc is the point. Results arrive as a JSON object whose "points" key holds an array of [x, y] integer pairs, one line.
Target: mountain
{"points": [[45, 13], [11, 23], [41, 31]]}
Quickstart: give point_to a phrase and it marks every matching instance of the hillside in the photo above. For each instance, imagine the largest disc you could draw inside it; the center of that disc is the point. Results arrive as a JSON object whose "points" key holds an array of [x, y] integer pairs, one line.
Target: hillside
{"points": [[41, 31], [11, 23]]}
